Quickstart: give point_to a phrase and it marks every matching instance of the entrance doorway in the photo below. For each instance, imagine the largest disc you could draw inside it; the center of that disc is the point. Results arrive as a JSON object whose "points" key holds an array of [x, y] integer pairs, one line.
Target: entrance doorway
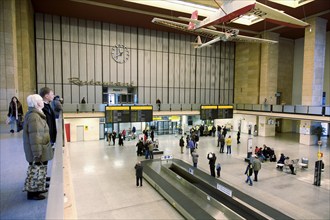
{"points": [[80, 133]]}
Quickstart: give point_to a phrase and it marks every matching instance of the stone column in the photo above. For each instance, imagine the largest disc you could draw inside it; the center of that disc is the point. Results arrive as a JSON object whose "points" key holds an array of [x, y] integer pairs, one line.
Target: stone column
{"points": [[313, 72], [268, 70], [17, 60]]}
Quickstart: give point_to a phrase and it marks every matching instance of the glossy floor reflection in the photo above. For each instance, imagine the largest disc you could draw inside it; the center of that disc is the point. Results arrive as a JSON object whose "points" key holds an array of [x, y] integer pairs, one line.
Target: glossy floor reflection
{"points": [[104, 178]]}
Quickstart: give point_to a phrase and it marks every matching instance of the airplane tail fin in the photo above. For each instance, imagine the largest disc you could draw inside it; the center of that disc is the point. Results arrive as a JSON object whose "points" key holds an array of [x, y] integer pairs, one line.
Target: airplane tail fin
{"points": [[194, 16], [198, 42]]}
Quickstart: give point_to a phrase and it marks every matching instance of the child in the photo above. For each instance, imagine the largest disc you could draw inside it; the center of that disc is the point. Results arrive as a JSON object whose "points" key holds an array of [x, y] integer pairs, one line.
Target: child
{"points": [[248, 172], [218, 169]]}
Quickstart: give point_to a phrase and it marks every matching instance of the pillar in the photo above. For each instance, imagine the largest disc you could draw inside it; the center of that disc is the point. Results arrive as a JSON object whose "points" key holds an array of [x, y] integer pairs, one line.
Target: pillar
{"points": [[266, 126], [268, 70], [313, 72], [17, 60]]}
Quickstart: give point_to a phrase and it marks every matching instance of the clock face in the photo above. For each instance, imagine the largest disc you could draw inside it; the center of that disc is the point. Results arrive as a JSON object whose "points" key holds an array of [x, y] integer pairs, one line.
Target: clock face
{"points": [[120, 53]]}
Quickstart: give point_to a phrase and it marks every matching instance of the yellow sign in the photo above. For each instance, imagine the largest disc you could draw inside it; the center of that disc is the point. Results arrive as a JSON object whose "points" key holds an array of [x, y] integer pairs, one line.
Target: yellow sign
{"points": [[141, 107], [157, 118], [209, 107], [225, 107], [86, 128], [175, 118], [116, 108]]}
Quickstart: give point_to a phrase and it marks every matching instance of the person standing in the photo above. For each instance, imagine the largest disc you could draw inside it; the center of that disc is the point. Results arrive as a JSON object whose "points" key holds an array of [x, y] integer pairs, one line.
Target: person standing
{"points": [[57, 106], [15, 114], [218, 168], [158, 103], [191, 145], [124, 134], [181, 143], [48, 95], [212, 158], [248, 172], [36, 139], [109, 138], [195, 156], [238, 137], [151, 149], [83, 101], [256, 164], [222, 143], [114, 134], [138, 173], [228, 142], [140, 147], [152, 135]]}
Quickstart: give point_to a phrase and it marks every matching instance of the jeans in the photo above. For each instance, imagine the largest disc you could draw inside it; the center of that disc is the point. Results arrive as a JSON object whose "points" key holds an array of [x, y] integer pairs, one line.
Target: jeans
{"points": [[195, 165], [248, 179], [228, 149]]}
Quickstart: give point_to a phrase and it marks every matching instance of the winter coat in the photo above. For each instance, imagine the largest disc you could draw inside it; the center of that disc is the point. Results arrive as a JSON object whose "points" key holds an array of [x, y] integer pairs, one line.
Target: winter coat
{"points": [[36, 138], [12, 109], [194, 157], [256, 164], [57, 107], [249, 170], [138, 170], [50, 118], [181, 142]]}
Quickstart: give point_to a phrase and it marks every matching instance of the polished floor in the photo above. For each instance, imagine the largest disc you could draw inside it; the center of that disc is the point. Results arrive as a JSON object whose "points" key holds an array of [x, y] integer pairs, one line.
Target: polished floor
{"points": [[104, 178]]}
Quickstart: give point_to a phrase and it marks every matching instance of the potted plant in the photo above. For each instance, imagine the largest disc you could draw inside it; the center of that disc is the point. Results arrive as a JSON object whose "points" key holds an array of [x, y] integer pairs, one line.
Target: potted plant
{"points": [[318, 131]]}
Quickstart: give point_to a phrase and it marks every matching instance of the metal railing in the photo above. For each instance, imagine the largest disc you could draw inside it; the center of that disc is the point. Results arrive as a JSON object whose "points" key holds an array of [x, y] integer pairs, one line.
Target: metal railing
{"points": [[289, 109]]}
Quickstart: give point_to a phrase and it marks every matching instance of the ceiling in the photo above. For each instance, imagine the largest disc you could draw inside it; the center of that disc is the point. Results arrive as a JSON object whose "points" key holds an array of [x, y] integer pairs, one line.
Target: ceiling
{"points": [[138, 15]]}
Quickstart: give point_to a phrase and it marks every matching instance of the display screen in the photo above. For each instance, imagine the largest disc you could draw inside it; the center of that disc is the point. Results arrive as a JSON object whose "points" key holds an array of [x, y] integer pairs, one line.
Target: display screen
{"points": [[141, 113], [225, 112], [209, 112], [117, 114]]}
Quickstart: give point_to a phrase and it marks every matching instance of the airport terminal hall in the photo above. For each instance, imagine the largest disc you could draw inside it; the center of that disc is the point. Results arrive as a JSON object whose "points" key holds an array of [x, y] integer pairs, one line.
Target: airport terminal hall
{"points": [[165, 109]]}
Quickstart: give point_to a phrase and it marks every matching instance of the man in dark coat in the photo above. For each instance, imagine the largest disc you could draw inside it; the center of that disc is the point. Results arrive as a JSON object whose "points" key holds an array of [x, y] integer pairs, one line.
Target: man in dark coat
{"points": [[212, 158], [48, 95], [138, 173]]}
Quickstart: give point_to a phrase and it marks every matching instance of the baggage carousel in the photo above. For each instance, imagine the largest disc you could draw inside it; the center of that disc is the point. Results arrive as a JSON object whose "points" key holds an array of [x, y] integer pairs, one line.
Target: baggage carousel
{"points": [[197, 195]]}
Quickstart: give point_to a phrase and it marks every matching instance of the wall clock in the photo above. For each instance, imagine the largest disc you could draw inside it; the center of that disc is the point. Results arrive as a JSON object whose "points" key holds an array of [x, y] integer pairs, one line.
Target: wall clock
{"points": [[120, 53]]}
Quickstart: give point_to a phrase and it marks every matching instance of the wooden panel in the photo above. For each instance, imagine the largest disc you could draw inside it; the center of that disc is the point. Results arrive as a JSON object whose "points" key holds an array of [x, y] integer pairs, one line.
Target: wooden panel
{"points": [[48, 27], [120, 34], [67, 97], [66, 60], [140, 38], [58, 90], [147, 39], [217, 74], [165, 70], [82, 31], [98, 94], [134, 64], [147, 70], [91, 94], [140, 70], [170, 95], [171, 70], [75, 94], [216, 97], [171, 42], [105, 34], [159, 94], [223, 50], [231, 73], [153, 96], [39, 23], [127, 36], [207, 95], [97, 33], [65, 28], [176, 95], [90, 62], [120, 72], [153, 40], [187, 72], [40, 50], [192, 74], [153, 68], [159, 69], [98, 63], [226, 100], [56, 27], [192, 96], [159, 39], [90, 32], [176, 77], [83, 62], [222, 73], [57, 62], [73, 29], [182, 44], [226, 74], [49, 61], [134, 37], [106, 64], [165, 42], [74, 60], [177, 40], [227, 50], [232, 51]]}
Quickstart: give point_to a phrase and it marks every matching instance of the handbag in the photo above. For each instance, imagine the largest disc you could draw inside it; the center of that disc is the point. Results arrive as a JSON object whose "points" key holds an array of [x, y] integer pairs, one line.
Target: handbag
{"points": [[19, 123], [36, 178]]}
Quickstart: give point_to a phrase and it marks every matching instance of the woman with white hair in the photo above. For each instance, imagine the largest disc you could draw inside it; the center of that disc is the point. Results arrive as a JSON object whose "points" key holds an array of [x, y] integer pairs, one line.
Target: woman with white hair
{"points": [[36, 139]]}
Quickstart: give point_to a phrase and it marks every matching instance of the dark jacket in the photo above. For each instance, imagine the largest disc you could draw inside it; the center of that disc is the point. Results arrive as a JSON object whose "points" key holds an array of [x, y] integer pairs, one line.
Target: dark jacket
{"points": [[249, 170], [36, 139], [50, 118], [12, 109], [181, 142], [138, 170], [212, 159]]}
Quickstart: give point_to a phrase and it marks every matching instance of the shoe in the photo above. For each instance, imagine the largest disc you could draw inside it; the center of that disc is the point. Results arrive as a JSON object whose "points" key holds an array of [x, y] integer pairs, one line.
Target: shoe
{"points": [[11, 131], [47, 185], [246, 181], [35, 196], [250, 184], [47, 178]]}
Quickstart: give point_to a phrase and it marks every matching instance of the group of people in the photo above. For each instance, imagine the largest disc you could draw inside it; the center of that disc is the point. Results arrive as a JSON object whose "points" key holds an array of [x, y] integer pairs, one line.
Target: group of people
{"points": [[146, 148], [265, 153], [39, 135], [113, 135]]}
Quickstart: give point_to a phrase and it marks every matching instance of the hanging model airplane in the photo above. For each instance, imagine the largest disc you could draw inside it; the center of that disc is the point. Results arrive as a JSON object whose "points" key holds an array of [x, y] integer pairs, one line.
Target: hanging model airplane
{"points": [[245, 12], [214, 35]]}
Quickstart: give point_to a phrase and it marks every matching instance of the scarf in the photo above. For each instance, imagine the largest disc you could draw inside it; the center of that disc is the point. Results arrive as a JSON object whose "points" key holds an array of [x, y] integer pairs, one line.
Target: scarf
{"points": [[16, 109]]}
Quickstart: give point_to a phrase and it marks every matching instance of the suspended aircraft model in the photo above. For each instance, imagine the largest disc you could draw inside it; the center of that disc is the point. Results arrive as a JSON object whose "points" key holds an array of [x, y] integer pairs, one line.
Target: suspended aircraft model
{"points": [[245, 12], [228, 35]]}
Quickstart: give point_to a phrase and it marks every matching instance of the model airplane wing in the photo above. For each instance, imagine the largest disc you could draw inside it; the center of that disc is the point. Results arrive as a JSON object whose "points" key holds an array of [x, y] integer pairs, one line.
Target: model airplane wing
{"points": [[214, 35], [233, 10]]}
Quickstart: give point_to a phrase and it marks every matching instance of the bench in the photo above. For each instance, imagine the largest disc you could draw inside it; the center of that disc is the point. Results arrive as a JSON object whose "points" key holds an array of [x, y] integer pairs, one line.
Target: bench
{"points": [[304, 163]]}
